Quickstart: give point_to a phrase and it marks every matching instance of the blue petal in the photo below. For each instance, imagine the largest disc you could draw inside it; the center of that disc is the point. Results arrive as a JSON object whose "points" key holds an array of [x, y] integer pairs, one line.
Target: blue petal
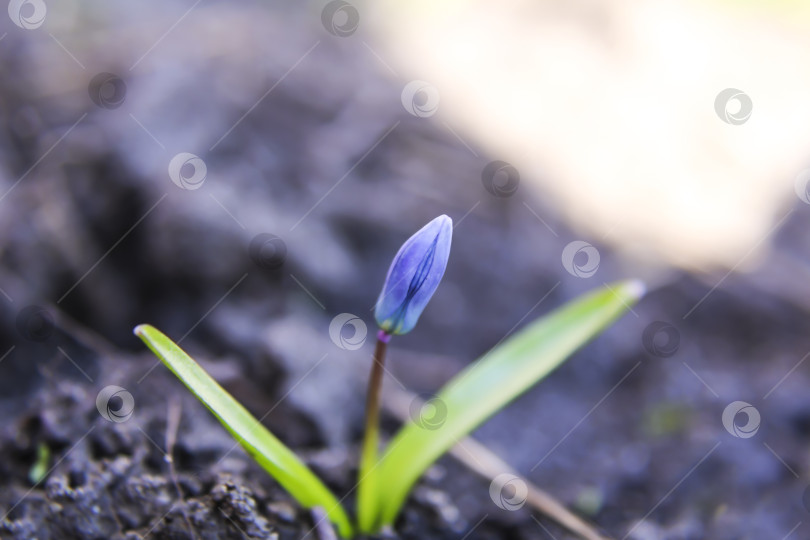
{"points": [[414, 276]]}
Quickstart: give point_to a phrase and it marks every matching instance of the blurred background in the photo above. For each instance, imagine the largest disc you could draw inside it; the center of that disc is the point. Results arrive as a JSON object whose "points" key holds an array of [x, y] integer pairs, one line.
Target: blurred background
{"points": [[240, 174]]}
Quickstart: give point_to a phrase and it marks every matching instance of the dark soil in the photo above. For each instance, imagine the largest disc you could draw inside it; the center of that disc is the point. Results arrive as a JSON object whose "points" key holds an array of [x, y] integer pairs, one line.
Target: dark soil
{"points": [[96, 239], [114, 479]]}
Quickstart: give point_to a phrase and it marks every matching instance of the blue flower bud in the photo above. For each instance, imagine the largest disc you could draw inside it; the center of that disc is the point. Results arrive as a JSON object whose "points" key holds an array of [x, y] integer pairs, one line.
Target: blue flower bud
{"points": [[413, 277]]}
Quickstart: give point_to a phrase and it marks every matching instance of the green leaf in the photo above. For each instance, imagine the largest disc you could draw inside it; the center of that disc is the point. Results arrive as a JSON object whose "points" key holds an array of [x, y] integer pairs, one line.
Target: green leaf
{"points": [[493, 381], [263, 446], [40, 467]]}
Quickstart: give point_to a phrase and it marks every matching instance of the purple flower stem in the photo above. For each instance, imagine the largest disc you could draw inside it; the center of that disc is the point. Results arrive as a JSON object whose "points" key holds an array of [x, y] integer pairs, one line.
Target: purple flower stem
{"points": [[368, 456]]}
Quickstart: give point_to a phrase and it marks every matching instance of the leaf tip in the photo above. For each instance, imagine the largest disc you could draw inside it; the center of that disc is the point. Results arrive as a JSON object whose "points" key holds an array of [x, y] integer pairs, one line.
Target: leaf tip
{"points": [[140, 330], [635, 288]]}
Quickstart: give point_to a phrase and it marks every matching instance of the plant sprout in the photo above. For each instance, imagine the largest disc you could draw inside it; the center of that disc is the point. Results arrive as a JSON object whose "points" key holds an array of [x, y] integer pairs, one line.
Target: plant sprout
{"points": [[39, 469], [412, 279], [469, 399]]}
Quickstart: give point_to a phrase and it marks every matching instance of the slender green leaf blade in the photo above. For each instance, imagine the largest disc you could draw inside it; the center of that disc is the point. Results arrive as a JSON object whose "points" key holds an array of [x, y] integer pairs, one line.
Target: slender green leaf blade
{"points": [[263, 446], [493, 381]]}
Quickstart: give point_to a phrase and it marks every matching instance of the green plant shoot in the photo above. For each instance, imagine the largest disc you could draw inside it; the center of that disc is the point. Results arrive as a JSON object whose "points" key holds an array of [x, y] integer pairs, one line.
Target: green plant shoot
{"points": [[469, 399], [263, 446], [492, 382]]}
